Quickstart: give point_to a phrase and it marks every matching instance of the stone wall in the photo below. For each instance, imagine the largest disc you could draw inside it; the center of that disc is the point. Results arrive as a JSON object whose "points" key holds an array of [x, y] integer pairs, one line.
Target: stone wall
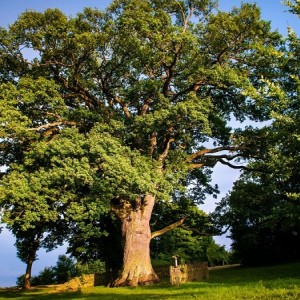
{"points": [[77, 283], [176, 275], [187, 273]]}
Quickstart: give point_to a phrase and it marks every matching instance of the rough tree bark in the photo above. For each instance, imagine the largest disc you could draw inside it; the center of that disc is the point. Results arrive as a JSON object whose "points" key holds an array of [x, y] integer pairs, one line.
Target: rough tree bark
{"points": [[27, 275], [137, 267], [33, 244], [30, 259]]}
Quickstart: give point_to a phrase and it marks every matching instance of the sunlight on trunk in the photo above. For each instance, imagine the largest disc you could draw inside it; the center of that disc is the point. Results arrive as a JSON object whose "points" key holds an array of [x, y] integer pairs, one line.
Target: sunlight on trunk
{"points": [[137, 267]]}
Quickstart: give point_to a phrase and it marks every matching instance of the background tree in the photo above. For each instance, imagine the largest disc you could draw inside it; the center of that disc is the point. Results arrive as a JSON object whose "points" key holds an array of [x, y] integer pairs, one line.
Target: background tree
{"points": [[91, 240], [139, 90], [35, 207], [45, 277], [263, 208], [189, 241], [217, 255], [264, 226], [65, 269]]}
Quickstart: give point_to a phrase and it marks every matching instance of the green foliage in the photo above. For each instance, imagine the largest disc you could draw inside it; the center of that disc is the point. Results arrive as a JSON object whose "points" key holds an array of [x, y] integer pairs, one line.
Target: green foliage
{"points": [[95, 241], [181, 243], [65, 269], [189, 248], [192, 242], [263, 208], [89, 63], [45, 277], [217, 255], [93, 267], [264, 226], [294, 6], [121, 103]]}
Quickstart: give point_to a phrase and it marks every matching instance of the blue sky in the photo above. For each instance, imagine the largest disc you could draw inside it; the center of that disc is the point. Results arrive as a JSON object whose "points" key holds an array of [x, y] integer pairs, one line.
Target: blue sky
{"points": [[272, 10], [10, 265]]}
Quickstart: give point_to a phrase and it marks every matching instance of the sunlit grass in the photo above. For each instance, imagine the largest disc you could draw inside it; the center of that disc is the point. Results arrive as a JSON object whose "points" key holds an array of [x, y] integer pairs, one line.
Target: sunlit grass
{"points": [[278, 282]]}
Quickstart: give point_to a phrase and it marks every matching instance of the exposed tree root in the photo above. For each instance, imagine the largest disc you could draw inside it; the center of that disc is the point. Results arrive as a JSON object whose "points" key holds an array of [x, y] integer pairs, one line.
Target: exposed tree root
{"points": [[136, 280]]}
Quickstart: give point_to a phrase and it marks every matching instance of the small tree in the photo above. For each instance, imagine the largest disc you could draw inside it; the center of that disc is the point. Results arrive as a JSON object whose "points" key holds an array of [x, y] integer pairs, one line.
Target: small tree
{"points": [[46, 276], [92, 267], [217, 255], [65, 269], [189, 241], [97, 241]]}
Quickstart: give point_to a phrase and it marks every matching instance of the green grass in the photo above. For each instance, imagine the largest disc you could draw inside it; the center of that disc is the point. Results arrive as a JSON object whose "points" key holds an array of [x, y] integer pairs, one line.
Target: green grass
{"points": [[277, 282]]}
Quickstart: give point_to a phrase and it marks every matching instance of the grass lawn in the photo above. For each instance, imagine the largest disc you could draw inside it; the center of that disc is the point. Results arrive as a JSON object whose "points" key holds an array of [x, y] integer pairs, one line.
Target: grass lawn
{"points": [[277, 282]]}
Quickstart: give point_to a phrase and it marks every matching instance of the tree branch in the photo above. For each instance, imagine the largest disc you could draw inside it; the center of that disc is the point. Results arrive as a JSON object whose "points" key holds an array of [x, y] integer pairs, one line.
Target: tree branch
{"points": [[205, 233], [222, 161], [153, 143], [168, 228], [242, 167], [165, 153], [76, 90], [192, 88], [51, 125], [188, 18], [200, 159], [219, 157], [213, 150], [196, 165], [145, 106], [169, 69], [124, 107]]}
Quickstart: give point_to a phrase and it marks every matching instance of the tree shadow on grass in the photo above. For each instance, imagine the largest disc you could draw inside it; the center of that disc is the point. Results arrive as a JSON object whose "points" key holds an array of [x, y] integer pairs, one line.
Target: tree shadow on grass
{"points": [[159, 293], [276, 277]]}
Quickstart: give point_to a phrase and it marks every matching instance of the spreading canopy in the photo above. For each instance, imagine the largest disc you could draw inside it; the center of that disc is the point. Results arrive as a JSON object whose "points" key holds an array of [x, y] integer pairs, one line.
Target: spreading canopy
{"points": [[126, 106], [143, 85]]}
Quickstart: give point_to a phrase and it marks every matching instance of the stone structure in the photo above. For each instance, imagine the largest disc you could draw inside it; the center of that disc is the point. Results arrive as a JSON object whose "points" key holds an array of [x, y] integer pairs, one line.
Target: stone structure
{"points": [[189, 272]]}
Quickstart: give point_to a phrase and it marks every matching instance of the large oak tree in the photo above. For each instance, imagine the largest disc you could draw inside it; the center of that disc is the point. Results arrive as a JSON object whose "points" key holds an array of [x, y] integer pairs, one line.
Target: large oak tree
{"points": [[124, 108]]}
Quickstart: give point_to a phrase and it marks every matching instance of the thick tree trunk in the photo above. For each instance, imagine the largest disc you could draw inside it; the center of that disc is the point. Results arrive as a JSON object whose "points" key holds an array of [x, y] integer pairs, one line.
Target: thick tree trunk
{"points": [[137, 268]]}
